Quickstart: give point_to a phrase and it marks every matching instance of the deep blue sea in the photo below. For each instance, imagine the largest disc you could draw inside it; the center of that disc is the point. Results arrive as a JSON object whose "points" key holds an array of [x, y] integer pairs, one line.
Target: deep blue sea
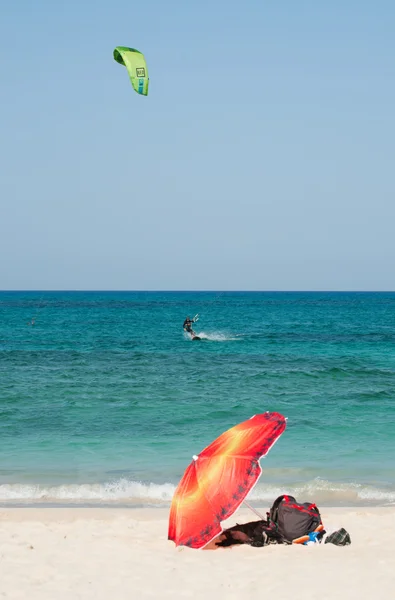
{"points": [[105, 400]]}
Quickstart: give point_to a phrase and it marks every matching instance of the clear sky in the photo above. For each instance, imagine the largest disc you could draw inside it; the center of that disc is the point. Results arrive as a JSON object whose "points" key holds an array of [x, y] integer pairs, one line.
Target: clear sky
{"points": [[262, 159]]}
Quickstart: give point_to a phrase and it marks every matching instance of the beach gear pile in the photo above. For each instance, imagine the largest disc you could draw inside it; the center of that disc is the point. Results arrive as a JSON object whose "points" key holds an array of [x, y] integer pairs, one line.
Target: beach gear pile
{"points": [[219, 479], [287, 522]]}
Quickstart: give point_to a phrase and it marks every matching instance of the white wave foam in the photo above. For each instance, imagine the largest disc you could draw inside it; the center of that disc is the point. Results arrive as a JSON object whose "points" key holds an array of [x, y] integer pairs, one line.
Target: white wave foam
{"points": [[327, 492], [123, 490]]}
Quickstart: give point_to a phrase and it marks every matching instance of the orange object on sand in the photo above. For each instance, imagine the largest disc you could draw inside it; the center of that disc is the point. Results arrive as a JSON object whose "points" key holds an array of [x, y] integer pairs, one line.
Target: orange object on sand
{"points": [[305, 538]]}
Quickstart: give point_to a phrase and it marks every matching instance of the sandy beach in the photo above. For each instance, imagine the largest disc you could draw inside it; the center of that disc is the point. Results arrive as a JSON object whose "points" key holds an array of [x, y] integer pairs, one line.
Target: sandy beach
{"points": [[118, 553]]}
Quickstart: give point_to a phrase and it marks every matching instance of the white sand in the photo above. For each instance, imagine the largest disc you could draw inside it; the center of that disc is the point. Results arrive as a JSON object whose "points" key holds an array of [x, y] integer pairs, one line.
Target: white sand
{"points": [[118, 554]]}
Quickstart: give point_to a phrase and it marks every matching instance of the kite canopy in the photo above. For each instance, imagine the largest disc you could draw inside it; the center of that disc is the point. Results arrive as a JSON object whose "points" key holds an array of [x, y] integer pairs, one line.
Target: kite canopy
{"points": [[136, 66]]}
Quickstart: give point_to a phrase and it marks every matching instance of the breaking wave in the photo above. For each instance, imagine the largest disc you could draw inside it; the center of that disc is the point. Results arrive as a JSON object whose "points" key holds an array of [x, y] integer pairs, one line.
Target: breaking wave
{"points": [[124, 491]]}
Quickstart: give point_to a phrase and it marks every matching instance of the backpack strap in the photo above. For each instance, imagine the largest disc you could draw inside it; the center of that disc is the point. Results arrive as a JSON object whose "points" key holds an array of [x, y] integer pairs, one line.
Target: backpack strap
{"points": [[314, 508], [274, 509]]}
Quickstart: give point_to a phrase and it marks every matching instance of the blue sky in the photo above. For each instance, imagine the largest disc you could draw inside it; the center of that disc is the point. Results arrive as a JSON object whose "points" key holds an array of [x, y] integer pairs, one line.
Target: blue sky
{"points": [[262, 159]]}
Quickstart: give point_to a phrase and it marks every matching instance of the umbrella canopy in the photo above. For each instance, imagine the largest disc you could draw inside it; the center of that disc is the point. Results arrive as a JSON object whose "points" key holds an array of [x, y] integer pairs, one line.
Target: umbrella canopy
{"points": [[218, 480]]}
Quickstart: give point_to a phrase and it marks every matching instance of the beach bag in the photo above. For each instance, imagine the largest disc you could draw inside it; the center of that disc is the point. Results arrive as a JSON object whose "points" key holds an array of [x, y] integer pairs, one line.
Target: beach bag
{"points": [[294, 520]]}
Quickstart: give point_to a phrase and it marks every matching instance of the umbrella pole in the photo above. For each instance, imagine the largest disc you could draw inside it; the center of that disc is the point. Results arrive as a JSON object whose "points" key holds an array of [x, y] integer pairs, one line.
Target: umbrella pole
{"points": [[253, 510]]}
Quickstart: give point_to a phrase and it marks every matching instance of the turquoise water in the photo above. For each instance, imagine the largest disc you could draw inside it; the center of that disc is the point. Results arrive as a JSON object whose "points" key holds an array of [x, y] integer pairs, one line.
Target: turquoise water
{"points": [[104, 399]]}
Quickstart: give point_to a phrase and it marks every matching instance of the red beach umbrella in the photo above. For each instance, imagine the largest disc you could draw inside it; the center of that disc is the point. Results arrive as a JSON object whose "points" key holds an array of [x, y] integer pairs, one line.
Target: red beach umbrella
{"points": [[219, 479]]}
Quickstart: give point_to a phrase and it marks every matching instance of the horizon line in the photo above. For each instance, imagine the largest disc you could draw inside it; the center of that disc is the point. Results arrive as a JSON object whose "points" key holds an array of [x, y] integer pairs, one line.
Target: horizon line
{"points": [[204, 291]]}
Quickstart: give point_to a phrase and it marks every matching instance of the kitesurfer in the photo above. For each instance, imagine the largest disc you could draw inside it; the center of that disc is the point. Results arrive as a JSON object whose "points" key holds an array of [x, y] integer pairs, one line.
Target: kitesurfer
{"points": [[188, 325]]}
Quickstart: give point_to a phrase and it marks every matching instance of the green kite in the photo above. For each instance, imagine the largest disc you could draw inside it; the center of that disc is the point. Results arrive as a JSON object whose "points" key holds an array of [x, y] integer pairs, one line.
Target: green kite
{"points": [[136, 66]]}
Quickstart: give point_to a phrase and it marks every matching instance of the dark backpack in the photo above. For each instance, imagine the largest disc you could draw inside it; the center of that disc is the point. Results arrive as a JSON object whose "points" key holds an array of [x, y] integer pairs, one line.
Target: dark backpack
{"points": [[292, 519]]}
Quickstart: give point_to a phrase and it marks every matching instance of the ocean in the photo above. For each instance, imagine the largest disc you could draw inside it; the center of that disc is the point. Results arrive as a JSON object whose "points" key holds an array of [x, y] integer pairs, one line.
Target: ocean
{"points": [[104, 399]]}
